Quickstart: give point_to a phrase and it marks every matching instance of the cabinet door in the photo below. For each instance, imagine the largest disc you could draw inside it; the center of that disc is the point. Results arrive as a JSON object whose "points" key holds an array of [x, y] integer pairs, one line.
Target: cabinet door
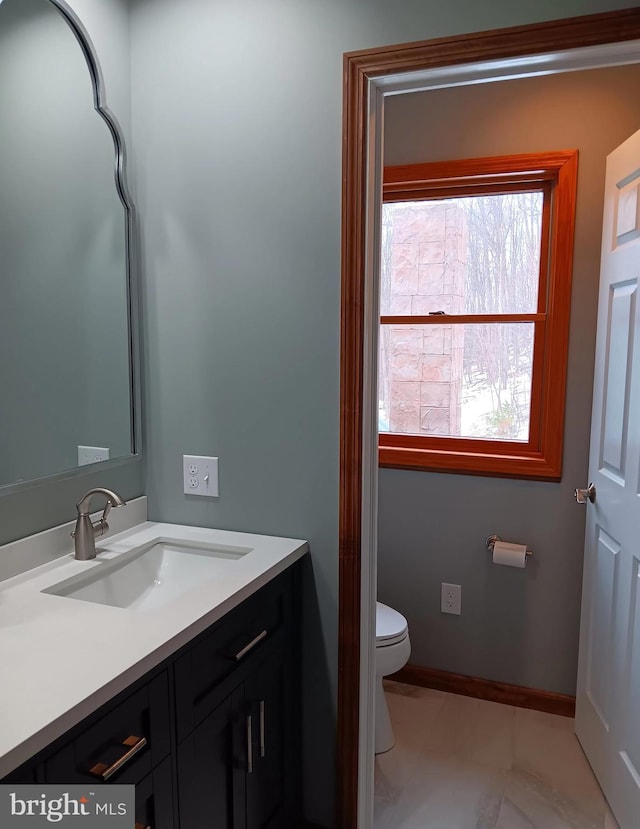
{"points": [[211, 769], [270, 776], [154, 799]]}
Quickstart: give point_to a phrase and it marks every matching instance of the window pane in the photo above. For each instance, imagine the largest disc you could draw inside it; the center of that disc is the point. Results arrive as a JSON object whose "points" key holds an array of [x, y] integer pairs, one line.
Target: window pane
{"points": [[456, 380], [473, 255]]}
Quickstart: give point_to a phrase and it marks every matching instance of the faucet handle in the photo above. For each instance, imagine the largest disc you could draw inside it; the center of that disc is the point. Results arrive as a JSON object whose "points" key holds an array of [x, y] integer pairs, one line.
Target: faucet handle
{"points": [[103, 519], [101, 526]]}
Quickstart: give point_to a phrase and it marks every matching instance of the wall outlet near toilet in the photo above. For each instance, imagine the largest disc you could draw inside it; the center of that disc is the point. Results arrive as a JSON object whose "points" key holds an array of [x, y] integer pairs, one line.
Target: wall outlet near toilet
{"points": [[451, 598], [200, 475]]}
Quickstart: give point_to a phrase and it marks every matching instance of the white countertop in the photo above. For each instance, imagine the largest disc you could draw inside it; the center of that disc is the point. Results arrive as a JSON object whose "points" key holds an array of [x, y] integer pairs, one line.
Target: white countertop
{"points": [[61, 658]]}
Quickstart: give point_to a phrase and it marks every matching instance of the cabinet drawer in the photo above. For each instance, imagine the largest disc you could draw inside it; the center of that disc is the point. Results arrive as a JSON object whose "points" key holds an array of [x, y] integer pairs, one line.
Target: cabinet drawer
{"points": [[232, 644], [122, 745], [24, 774]]}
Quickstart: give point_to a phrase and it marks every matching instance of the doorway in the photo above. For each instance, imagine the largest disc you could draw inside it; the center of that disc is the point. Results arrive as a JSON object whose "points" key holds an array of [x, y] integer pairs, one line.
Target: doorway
{"points": [[370, 77]]}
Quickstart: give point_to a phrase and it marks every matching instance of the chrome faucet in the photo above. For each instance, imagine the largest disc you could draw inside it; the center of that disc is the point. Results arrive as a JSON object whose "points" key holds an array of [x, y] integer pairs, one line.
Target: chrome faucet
{"points": [[85, 531]]}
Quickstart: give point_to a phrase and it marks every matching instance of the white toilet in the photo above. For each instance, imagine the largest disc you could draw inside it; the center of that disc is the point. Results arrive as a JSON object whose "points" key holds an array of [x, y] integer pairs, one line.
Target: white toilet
{"points": [[392, 652]]}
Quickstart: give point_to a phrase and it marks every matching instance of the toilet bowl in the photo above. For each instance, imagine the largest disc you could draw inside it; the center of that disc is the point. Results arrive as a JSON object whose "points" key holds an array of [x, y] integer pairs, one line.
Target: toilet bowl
{"points": [[392, 652]]}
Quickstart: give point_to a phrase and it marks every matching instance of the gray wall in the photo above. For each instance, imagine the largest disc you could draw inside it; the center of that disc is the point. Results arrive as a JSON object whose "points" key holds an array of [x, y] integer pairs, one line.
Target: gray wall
{"points": [[49, 502], [237, 135], [516, 626]]}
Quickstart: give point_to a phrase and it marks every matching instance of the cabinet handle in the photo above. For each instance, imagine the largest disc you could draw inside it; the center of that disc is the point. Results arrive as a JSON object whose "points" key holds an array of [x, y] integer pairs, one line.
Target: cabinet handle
{"points": [[242, 653], [262, 744], [249, 746], [133, 746]]}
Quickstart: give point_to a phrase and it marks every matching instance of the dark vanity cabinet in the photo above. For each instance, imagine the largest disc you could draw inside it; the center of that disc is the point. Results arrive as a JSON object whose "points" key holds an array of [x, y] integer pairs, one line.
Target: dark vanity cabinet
{"points": [[236, 719], [210, 737]]}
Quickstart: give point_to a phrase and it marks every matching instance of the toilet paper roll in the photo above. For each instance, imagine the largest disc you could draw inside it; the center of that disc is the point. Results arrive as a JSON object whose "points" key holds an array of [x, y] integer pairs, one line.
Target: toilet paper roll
{"points": [[512, 555]]}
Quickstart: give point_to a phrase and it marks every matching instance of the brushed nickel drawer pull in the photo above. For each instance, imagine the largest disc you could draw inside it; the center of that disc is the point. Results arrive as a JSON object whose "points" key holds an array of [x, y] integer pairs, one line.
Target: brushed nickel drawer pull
{"points": [[133, 746], [262, 743], [249, 746], [242, 653]]}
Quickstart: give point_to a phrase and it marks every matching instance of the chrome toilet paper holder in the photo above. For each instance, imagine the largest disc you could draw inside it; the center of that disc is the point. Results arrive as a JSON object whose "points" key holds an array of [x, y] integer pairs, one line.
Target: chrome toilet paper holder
{"points": [[491, 540]]}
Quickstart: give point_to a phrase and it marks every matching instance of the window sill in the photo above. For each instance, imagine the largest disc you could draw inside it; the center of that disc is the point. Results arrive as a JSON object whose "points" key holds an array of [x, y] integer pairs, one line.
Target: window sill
{"points": [[528, 465]]}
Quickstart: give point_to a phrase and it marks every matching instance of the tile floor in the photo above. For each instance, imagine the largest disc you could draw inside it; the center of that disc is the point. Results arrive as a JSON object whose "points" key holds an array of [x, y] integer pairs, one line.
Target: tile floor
{"points": [[462, 763]]}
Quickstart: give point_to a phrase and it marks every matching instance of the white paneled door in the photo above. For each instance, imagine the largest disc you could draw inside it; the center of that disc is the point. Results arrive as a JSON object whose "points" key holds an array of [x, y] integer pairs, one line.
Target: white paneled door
{"points": [[608, 695]]}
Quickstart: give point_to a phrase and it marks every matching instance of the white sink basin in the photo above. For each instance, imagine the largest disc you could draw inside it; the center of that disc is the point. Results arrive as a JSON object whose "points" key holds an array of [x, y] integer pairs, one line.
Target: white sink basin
{"points": [[152, 575]]}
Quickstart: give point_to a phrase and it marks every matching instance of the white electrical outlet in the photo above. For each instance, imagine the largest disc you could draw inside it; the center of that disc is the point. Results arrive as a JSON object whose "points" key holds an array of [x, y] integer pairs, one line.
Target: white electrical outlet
{"points": [[92, 454], [451, 598], [200, 475]]}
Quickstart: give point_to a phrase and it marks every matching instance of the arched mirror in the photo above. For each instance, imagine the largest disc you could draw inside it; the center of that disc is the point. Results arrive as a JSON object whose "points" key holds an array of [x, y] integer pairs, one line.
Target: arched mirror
{"points": [[66, 328]]}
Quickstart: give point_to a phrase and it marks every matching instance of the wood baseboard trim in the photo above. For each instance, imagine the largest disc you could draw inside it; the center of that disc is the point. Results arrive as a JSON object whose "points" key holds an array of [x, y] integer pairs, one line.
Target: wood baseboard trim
{"points": [[472, 686]]}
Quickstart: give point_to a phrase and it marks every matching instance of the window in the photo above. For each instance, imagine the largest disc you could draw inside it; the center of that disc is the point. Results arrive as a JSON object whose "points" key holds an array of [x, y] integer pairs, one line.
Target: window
{"points": [[476, 267]]}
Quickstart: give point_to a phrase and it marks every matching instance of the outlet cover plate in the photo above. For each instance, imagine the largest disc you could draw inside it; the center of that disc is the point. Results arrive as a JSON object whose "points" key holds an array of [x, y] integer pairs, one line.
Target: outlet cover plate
{"points": [[200, 475], [451, 598], [92, 454]]}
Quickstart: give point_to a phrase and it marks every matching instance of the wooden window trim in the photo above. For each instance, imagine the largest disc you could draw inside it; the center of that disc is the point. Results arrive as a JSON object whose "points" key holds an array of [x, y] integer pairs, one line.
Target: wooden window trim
{"points": [[554, 174]]}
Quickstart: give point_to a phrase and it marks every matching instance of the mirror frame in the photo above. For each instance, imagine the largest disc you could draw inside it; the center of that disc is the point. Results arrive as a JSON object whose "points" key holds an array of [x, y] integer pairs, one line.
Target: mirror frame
{"points": [[131, 276]]}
